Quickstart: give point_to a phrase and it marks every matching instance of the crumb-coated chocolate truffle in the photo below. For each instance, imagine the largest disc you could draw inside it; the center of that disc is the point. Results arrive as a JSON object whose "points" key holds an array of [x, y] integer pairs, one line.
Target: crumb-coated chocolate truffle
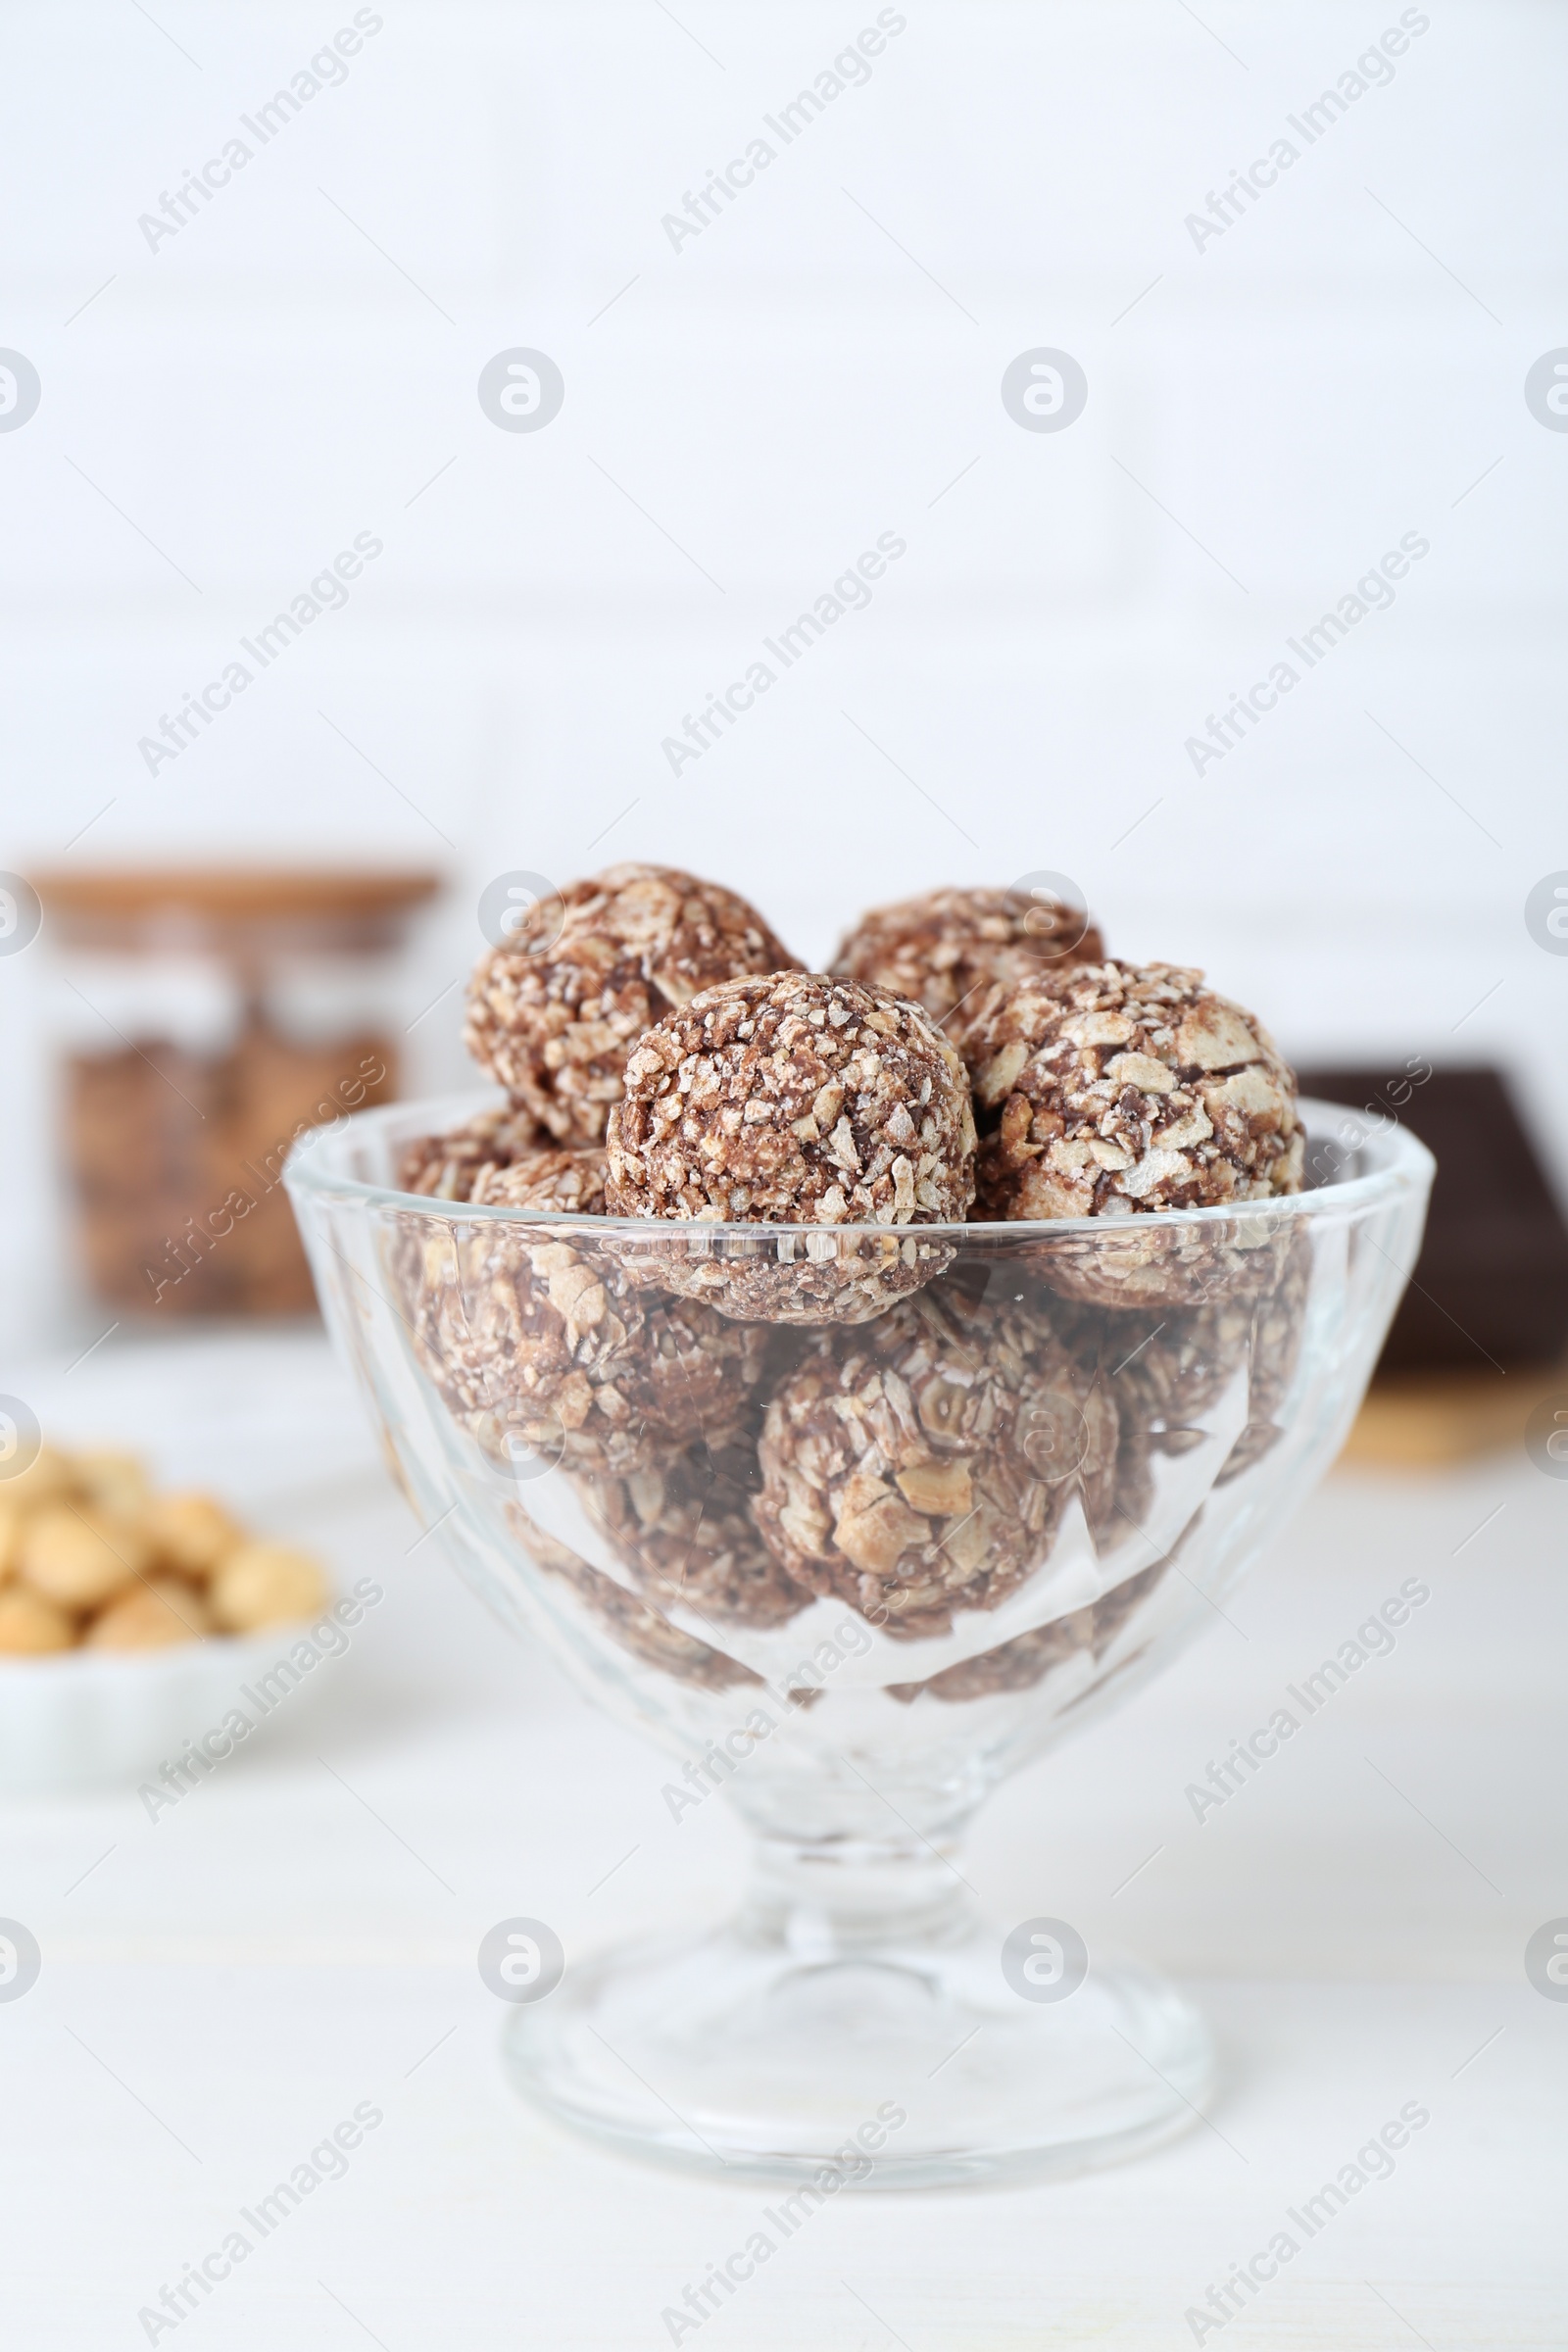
{"points": [[944, 948], [1125, 1086], [447, 1167], [1279, 1325], [1168, 1370], [1025, 1660], [534, 1337], [554, 1012], [796, 1099], [567, 1179], [1167, 1383], [1138, 1262], [685, 1530], [629, 1622], [1165, 1371], [926, 1465]]}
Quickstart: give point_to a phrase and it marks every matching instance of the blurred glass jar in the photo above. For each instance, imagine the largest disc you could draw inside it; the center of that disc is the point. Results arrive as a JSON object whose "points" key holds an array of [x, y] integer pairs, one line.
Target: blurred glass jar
{"points": [[206, 1017]]}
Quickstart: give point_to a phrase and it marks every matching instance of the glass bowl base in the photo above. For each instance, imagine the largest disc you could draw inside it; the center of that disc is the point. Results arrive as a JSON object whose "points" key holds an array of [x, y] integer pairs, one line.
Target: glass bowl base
{"points": [[884, 2067]]}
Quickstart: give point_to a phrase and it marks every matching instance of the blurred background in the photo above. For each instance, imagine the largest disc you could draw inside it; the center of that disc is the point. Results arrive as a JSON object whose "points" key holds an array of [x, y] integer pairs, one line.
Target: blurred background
{"points": [[257, 273]]}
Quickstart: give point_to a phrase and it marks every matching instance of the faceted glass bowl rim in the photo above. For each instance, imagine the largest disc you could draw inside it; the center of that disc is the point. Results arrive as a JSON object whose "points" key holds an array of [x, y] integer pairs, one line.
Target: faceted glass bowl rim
{"points": [[314, 1165]]}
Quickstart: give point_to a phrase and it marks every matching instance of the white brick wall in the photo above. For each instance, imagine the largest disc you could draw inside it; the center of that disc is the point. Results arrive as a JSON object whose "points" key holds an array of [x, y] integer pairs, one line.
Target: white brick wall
{"points": [[774, 394]]}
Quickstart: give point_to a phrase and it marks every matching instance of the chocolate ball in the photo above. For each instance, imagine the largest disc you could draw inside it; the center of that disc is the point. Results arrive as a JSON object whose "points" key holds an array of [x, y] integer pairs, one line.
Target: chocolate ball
{"points": [[1165, 1370], [794, 1099], [447, 1167], [1168, 1370], [1274, 1349], [568, 1181], [554, 1012], [941, 949], [686, 1532], [1121, 1089], [925, 1466], [536, 1339]]}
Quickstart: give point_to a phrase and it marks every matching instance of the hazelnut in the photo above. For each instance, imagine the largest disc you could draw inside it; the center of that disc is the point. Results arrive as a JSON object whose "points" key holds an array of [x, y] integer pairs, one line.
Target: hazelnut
{"points": [[267, 1584], [29, 1626], [12, 1523], [191, 1532], [77, 1558], [154, 1615], [48, 1478], [113, 1482]]}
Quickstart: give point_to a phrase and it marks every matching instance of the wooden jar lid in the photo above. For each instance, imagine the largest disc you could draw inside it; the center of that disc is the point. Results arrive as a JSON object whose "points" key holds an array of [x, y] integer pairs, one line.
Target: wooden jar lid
{"points": [[145, 910]]}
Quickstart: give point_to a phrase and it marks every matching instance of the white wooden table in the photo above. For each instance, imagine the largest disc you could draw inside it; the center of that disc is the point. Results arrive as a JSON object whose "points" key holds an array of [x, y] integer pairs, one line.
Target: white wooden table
{"points": [[295, 1942]]}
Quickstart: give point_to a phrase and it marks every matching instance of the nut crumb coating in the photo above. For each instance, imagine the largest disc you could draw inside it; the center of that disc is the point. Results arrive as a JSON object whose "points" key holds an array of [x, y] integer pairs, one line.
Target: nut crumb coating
{"points": [[551, 1017], [1121, 1087], [848, 1276], [944, 949], [686, 1532], [1278, 1326], [534, 1337], [800, 1099], [1167, 1371], [926, 1466], [447, 1167], [566, 1180]]}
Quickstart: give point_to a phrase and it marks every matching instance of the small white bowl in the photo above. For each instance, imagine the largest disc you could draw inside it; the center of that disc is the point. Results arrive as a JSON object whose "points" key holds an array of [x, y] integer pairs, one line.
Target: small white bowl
{"points": [[85, 1719]]}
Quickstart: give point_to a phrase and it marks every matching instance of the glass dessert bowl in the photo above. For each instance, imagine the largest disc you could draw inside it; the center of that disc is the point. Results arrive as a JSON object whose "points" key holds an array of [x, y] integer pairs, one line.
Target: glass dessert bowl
{"points": [[853, 1522]]}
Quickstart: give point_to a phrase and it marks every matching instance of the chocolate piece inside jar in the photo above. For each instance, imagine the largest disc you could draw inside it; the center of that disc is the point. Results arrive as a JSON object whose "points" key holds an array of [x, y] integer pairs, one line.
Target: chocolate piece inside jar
{"points": [[221, 1012]]}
